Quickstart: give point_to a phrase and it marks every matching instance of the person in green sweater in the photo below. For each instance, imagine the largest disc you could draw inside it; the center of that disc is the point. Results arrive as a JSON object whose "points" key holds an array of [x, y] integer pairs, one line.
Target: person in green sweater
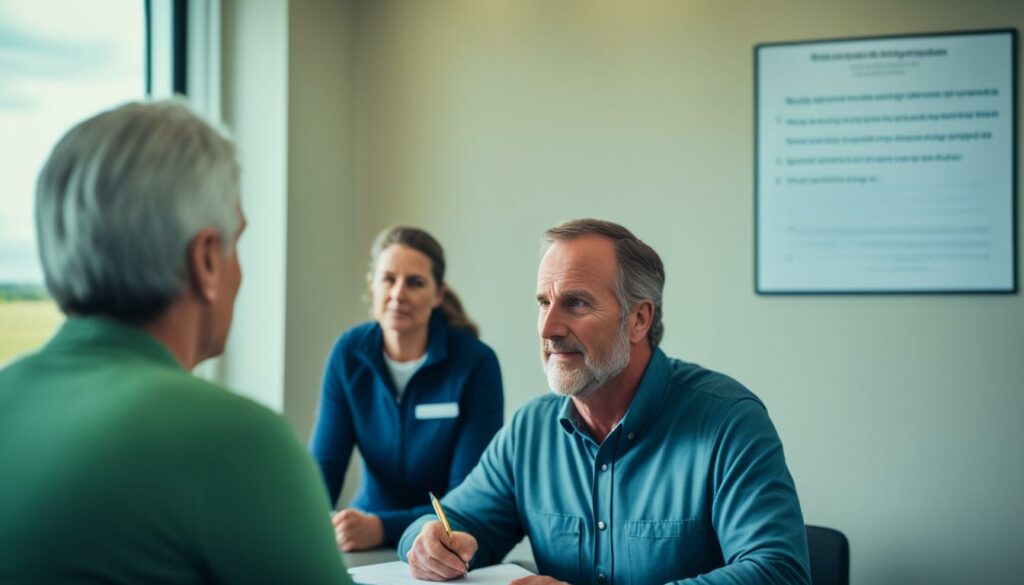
{"points": [[117, 465]]}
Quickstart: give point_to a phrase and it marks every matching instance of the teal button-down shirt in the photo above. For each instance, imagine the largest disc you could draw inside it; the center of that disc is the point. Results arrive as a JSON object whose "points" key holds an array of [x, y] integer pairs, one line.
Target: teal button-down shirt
{"points": [[690, 487]]}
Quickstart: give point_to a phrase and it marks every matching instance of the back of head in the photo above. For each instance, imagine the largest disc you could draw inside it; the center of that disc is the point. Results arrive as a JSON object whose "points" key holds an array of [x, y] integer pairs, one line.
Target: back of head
{"points": [[641, 274], [118, 201], [426, 244]]}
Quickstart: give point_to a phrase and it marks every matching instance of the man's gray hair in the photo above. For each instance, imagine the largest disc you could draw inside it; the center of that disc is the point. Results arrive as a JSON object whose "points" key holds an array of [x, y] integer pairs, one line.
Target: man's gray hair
{"points": [[641, 275], [119, 200]]}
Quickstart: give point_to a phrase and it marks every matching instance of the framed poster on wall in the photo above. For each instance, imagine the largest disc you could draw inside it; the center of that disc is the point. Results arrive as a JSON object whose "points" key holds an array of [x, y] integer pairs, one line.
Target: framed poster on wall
{"points": [[886, 164]]}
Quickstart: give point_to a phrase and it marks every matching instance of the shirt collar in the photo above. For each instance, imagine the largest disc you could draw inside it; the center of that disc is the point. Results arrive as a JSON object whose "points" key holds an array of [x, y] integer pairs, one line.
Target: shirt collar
{"points": [[641, 411], [96, 331]]}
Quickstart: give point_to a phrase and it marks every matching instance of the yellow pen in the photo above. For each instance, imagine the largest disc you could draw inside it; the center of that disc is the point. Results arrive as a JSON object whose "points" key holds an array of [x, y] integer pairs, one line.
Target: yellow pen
{"points": [[440, 514], [444, 520]]}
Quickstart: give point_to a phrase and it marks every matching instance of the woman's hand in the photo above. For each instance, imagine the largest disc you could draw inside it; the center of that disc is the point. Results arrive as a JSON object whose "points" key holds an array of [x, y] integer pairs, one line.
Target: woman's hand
{"points": [[355, 530]]}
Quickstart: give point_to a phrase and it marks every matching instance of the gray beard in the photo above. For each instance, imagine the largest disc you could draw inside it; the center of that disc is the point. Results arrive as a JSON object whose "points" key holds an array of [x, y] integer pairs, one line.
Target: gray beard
{"points": [[583, 381]]}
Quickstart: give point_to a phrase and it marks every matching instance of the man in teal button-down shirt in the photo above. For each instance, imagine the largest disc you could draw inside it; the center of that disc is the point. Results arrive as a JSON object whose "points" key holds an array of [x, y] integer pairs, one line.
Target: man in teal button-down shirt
{"points": [[639, 469]]}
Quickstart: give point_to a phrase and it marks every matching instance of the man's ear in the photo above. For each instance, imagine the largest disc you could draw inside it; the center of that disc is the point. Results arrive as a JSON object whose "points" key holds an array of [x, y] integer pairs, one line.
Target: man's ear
{"points": [[643, 314], [205, 263]]}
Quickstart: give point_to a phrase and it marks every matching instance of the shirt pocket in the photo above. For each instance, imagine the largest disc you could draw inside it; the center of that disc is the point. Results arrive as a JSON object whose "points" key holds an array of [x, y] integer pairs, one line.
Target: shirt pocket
{"points": [[660, 551], [555, 540]]}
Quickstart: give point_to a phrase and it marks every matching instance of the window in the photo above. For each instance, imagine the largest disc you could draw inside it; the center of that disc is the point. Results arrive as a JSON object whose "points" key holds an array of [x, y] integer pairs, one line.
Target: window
{"points": [[60, 62]]}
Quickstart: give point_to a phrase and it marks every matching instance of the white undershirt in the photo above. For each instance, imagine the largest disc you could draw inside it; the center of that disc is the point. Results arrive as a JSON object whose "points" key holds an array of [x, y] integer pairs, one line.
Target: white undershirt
{"points": [[401, 372]]}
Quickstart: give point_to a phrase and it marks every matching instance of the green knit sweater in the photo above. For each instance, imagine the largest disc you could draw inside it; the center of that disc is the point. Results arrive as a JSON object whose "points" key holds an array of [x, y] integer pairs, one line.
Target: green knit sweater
{"points": [[118, 466]]}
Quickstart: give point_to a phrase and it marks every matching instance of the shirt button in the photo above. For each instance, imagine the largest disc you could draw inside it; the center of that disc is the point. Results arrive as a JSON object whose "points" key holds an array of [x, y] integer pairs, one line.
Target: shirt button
{"points": [[631, 436], [604, 467], [601, 525]]}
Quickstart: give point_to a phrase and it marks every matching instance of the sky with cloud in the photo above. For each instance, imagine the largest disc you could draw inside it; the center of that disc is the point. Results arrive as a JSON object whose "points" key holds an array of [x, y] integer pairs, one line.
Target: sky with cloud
{"points": [[60, 62]]}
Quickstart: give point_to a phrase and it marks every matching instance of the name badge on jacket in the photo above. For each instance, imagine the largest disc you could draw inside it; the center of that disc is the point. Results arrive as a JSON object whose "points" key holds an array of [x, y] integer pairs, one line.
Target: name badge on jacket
{"points": [[437, 410]]}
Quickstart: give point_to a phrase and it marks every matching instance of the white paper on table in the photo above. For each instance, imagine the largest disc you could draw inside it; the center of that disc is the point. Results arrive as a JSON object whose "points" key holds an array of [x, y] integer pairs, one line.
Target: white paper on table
{"points": [[397, 573]]}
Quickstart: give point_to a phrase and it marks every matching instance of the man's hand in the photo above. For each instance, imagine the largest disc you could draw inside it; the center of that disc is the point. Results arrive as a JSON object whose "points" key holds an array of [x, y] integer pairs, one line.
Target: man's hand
{"points": [[537, 580], [357, 531], [435, 556]]}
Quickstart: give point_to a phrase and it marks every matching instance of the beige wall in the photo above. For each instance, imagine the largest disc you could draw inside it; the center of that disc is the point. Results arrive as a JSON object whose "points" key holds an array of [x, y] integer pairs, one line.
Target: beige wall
{"points": [[255, 100], [286, 99], [325, 250], [486, 122]]}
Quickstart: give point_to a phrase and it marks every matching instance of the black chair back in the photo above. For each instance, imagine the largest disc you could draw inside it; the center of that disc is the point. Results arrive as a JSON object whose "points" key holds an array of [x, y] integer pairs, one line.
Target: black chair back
{"points": [[830, 556]]}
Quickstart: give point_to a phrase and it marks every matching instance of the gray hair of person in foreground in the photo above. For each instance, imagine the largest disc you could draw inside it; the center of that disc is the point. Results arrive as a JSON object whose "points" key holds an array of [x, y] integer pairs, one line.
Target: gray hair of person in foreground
{"points": [[120, 198], [641, 274]]}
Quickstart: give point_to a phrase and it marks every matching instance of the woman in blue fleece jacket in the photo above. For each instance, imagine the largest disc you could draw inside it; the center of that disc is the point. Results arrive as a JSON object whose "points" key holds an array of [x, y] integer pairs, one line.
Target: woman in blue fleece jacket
{"points": [[415, 389]]}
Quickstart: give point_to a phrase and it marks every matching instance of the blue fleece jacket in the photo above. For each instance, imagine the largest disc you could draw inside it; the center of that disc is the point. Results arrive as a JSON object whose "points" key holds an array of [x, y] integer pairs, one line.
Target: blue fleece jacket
{"points": [[428, 441]]}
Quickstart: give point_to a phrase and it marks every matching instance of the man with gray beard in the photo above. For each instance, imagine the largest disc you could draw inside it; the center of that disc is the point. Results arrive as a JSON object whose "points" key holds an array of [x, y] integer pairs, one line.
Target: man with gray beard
{"points": [[639, 469]]}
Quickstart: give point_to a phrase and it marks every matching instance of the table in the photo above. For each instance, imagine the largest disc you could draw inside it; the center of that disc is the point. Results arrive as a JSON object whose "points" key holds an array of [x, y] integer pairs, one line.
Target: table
{"points": [[369, 557]]}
